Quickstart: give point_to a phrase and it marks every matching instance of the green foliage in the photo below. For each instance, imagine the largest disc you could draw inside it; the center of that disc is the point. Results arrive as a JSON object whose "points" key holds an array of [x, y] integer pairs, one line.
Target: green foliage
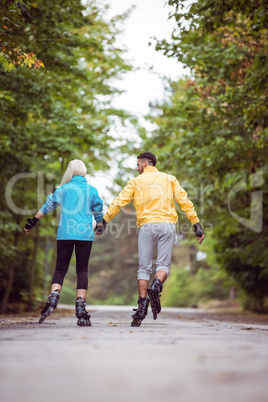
{"points": [[212, 131], [176, 292], [114, 262], [52, 115], [192, 281], [12, 20]]}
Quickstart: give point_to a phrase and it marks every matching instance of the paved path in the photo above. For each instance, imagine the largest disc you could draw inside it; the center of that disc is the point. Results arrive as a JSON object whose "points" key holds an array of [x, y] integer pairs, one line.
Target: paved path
{"points": [[185, 355]]}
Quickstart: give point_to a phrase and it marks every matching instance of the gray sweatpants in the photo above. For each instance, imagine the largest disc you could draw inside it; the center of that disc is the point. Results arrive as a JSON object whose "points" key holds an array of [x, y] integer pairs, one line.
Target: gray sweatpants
{"points": [[151, 235]]}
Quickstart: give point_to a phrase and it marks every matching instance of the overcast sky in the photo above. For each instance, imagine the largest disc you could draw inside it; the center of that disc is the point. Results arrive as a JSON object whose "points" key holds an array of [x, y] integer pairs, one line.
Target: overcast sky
{"points": [[149, 19]]}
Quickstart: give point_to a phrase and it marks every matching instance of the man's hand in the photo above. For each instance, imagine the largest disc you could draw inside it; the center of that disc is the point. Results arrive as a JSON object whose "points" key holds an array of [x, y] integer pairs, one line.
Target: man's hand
{"points": [[199, 232], [100, 228], [31, 223]]}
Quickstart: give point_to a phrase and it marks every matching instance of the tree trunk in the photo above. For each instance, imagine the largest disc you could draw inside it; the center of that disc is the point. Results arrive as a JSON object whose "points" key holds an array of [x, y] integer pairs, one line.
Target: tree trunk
{"points": [[10, 276], [32, 269], [232, 293], [48, 245]]}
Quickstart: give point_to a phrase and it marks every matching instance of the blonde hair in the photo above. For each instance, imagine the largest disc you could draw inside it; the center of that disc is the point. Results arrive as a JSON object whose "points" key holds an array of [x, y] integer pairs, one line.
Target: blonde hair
{"points": [[75, 168]]}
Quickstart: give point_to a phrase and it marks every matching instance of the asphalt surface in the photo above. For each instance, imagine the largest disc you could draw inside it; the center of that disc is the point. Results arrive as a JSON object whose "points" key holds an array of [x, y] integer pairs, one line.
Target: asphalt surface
{"points": [[185, 355]]}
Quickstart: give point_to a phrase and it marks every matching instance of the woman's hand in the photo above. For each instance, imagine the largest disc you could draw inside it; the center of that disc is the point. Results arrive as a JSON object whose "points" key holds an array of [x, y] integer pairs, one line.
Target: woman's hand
{"points": [[31, 223], [100, 227]]}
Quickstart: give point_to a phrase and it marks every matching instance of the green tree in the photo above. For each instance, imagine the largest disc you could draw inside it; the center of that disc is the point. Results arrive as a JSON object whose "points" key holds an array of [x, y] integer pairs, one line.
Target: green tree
{"points": [[50, 116], [213, 129], [13, 15]]}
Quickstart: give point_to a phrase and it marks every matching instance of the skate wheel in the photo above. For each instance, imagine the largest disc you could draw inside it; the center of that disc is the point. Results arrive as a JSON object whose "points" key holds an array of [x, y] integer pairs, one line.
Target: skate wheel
{"points": [[81, 322], [46, 314], [136, 323]]}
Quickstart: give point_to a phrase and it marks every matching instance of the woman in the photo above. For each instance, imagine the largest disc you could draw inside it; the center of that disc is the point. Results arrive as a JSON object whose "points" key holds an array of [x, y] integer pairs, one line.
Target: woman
{"points": [[79, 201]]}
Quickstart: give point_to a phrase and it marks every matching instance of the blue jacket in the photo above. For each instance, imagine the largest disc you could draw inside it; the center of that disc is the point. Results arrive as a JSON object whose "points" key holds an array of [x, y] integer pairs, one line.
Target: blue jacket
{"points": [[79, 201]]}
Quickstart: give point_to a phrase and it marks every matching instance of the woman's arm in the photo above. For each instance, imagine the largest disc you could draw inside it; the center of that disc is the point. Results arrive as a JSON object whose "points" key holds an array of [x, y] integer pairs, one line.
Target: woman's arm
{"points": [[52, 202], [39, 214], [33, 221]]}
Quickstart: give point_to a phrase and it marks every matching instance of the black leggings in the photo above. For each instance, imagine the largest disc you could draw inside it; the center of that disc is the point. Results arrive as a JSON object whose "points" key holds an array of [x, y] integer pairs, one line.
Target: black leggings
{"points": [[64, 254]]}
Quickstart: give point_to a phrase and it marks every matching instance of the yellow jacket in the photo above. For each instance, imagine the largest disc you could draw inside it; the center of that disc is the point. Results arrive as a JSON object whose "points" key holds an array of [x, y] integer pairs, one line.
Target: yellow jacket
{"points": [[153, 195]]}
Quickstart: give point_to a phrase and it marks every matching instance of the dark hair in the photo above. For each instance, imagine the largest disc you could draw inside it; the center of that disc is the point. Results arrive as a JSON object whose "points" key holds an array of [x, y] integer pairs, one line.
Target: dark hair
{"points": [[148, 156]]}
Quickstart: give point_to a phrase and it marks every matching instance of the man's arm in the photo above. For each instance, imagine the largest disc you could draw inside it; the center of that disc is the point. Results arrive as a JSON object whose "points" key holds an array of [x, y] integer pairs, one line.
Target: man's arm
{"points": [[120, 201], [187, 206]]}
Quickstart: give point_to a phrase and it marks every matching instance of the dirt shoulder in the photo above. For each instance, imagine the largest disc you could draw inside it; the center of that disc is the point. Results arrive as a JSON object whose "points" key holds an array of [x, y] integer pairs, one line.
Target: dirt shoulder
{"points": [[219, 315]]}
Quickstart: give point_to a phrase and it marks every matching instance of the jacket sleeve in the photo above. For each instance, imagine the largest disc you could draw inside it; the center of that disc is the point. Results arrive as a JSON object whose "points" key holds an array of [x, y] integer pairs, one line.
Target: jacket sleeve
{"points": [[97, 207], [186, 205], [120, 201], [52, 202]]}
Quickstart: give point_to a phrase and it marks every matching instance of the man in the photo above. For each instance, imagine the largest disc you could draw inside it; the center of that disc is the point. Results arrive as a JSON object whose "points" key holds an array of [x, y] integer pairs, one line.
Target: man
{"points": [[153, 194]]}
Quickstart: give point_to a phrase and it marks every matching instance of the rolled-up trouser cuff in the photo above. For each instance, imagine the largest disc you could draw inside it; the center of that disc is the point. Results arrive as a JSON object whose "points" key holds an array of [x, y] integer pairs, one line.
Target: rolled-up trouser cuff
{"points": [[166, 269], [143, 277]]}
